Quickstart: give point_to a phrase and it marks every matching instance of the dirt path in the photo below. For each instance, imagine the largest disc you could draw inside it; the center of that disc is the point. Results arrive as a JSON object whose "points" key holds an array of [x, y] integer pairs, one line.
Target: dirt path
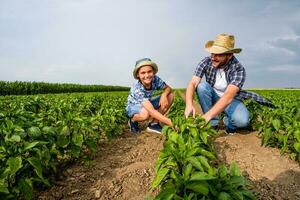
{"points": [[124, 167], [274, 176]]}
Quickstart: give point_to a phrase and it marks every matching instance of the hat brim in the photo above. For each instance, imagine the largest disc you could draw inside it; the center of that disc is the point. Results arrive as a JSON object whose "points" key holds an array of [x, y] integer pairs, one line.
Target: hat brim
{"points": [[211, 48], [142, 64]]}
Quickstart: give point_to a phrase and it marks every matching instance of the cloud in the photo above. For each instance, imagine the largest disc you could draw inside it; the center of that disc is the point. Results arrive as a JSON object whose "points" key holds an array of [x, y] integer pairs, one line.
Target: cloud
{"points": [[294, 69], [99, 41], [291, 45]]}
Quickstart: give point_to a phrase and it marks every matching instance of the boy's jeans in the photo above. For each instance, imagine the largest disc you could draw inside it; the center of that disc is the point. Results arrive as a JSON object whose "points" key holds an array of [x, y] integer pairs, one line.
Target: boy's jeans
{"points": [[236, 113]]}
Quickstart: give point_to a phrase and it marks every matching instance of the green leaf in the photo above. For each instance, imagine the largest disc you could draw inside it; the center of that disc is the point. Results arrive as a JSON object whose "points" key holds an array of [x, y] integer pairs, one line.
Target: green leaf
{"points": [[234, 169], [297, 146], [30, 145], [249, 194], [238, 195], [267, 136], [222, 171], [203, 136], [195, 162], [65, 131], [198, 186], [159, 177], [237, 181], [204, 162], [26, 188], [187, 171], [63, 140], [207, 154], [48, 130], [14, 164], [276, 124], [92, 144], [201, 176], [77, 139], [224, 196], [191, 152], [3, 186], [173, 136], [14, 138], [297, 135], [159, 162], [35, 162], [34, 132], [166, 194]]}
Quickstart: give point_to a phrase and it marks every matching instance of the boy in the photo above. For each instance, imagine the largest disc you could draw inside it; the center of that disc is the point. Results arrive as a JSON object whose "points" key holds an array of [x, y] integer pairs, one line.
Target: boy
{"points": [[140, 105]]}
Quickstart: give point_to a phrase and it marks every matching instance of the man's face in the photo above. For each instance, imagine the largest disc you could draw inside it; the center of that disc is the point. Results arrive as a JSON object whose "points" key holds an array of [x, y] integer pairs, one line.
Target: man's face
{"points": [[219, 60]]}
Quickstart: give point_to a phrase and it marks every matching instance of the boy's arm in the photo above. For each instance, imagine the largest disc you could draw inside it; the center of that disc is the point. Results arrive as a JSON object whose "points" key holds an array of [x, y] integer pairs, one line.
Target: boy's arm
{"points": [[164, 97], [155, 114]]}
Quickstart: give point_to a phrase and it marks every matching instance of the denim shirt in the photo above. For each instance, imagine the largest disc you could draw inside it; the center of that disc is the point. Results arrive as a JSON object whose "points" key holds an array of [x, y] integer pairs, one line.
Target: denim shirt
{"points": [[138, 93]]}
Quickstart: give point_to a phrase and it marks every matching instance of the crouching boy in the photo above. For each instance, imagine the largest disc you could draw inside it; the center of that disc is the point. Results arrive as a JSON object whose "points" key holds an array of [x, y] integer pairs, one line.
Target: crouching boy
{"points": [[141, 105]]}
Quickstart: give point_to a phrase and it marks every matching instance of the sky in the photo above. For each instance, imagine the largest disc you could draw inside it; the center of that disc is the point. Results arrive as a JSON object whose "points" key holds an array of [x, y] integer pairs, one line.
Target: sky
{"points": [[98, 42]]}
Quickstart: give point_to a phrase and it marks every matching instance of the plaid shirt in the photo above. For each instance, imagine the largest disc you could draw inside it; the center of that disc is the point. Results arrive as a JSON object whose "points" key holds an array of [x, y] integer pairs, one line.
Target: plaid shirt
{"points": [[235, 75]]}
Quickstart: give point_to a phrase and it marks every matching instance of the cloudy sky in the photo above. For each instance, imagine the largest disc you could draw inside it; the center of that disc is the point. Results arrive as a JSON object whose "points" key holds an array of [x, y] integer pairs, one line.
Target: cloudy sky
{"points": [[98, 42]]}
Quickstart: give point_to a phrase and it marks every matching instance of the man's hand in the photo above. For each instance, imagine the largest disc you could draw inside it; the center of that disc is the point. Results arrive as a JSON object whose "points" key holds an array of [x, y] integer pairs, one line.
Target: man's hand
{"points": [[189, 109], [206, 117]]}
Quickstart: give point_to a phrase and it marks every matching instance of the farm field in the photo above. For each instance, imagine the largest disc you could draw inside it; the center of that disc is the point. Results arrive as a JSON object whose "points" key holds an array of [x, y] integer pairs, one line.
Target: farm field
{"points": [[67, 135]]}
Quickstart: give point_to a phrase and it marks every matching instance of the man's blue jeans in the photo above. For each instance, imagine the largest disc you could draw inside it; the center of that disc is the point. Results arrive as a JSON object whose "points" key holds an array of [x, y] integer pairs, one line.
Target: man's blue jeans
{"points": [[236, 113]]}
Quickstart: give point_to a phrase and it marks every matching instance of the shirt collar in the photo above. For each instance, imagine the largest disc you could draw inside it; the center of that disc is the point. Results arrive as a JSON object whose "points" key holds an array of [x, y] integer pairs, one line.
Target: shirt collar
{"points": [[229, 63]]}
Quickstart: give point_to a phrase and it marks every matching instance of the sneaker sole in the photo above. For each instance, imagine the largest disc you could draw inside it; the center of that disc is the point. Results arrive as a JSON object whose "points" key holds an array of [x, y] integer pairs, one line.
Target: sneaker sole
{"points": [[130, 129], [152, 131]]}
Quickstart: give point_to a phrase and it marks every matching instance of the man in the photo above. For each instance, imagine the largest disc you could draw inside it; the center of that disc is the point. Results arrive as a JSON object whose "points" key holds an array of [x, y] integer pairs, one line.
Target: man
{"points": [[225, 77]]}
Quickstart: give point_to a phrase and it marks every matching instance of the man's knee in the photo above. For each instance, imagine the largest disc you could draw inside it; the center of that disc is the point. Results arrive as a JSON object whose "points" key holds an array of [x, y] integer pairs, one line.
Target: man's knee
{"points": [[240, 121], [203, 88]]}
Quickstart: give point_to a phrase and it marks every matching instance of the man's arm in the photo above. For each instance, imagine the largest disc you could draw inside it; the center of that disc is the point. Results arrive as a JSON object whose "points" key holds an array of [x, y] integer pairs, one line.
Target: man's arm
{"points": [[223, 102], [189, 108]]}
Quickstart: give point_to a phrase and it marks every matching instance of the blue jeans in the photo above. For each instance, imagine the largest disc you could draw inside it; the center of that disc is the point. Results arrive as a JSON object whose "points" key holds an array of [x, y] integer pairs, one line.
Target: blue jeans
{"points": [[135, 109], [236, 113]]}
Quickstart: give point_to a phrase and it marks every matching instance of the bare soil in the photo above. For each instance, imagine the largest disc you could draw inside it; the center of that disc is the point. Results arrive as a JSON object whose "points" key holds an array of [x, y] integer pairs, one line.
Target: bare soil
{"points": [[123, 169]]}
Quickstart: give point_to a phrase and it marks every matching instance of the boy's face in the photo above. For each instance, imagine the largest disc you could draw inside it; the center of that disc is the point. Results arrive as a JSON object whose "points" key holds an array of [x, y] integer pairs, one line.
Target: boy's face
{"points": [[145, 74]]}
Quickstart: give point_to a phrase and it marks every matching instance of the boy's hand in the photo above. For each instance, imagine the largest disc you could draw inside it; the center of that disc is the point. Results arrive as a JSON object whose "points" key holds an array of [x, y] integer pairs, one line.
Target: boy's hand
{"points": [[163, 102]]}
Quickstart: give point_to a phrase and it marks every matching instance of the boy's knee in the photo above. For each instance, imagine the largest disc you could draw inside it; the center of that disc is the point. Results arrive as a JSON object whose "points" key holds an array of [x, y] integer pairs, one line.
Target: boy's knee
{"points": [[144, 115], [171, 96]]}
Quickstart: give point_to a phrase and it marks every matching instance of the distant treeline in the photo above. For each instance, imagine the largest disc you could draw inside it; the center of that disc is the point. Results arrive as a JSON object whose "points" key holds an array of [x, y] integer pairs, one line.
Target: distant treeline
{"points": [[25, 88]]}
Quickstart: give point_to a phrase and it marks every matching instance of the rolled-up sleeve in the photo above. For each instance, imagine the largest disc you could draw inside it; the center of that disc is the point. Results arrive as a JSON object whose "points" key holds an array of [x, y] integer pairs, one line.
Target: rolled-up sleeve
{"points": [[159, 83], [238, 77], [200, 69]]}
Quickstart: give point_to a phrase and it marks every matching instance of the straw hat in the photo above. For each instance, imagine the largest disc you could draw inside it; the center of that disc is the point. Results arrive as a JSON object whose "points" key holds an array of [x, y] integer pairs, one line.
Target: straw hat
{"points": [[223, 43], [144, 62]]}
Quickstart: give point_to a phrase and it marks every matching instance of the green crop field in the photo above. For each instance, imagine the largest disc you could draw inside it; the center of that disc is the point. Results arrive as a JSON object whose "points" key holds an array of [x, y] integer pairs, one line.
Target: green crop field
{"points": [[40, 132]]}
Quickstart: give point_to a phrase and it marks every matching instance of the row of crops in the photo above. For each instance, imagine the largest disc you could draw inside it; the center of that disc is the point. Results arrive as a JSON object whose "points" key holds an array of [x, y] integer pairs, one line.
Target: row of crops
{"points": [[40, 133], [279, 127], [27, 88], [187, 167]]}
